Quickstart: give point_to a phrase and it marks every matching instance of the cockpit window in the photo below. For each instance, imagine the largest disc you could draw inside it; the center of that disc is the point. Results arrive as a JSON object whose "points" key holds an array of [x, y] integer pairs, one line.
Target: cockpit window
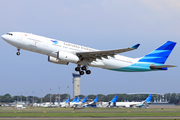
{"points": [[10, 34]]}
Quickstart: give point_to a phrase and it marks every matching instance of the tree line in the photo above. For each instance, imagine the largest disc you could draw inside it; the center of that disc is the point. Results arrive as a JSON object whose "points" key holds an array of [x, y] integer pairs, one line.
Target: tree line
{"points": [[170, 97]]}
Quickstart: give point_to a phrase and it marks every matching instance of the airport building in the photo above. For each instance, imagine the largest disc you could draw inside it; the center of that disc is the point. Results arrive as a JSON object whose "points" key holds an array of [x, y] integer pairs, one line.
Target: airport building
{"points": [[76, 84]]}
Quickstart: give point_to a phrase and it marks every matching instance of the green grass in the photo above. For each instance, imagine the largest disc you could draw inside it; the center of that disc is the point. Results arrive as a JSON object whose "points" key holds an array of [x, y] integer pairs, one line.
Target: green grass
{"points": [[88, 112]]}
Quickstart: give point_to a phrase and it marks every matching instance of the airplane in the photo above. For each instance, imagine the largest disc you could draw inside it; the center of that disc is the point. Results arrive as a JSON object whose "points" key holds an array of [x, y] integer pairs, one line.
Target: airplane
{"points": [[93, 103], [72, 102], [66, 103], [19, 106], [78, 100], [134, 104], [80, 103], [61, 52]]}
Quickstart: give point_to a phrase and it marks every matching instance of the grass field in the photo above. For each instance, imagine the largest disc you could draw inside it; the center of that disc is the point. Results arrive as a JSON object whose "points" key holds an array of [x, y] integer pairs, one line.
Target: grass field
{"points": [[89, 112]]}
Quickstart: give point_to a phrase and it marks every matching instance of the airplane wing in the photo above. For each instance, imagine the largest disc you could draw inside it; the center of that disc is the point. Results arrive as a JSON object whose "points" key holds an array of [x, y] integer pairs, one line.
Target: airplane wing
{"points": [[99, 54]]}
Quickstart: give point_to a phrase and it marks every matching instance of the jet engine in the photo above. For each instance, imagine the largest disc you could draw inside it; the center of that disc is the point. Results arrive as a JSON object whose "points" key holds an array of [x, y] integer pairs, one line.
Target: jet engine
{"points": [[57, 61], [68, 57]]}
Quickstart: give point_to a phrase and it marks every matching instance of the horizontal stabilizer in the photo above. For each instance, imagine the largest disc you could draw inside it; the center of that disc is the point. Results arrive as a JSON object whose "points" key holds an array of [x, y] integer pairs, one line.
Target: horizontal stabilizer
{"points": [[161, 66]]}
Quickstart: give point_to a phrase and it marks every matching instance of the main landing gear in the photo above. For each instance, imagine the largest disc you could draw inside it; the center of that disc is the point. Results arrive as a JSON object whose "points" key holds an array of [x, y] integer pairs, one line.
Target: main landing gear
{"points": [[18, 53], [82, 69]]}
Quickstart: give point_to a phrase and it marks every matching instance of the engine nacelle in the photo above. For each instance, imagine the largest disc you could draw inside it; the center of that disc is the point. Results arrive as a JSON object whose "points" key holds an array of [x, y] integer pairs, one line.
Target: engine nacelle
{"points": [[57, 61], [68, 57]]}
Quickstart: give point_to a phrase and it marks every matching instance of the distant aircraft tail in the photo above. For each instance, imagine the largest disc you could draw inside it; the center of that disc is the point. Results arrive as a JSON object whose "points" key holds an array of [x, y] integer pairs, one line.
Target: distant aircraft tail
{"points": [[160, 55], [78, 100], [84, 100], [114, 99], [96, 99], [68, 100], [74, 99], [148, 99]]}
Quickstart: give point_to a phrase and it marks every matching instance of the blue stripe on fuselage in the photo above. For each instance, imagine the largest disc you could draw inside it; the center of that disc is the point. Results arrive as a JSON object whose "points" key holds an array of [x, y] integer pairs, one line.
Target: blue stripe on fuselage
{"points": [[137, 67]]}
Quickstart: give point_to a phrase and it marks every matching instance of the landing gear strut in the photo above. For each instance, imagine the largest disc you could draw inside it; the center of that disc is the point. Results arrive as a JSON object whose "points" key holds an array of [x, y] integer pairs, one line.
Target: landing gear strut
{"points": [[18, 53], [82, 69]]}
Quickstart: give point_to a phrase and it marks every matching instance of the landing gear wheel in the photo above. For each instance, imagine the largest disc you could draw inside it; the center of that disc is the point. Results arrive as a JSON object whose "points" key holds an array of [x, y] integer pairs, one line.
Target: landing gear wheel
{"points": [[83, 68], [81, 72], [77, 69], [18, 53], [88, 72]]}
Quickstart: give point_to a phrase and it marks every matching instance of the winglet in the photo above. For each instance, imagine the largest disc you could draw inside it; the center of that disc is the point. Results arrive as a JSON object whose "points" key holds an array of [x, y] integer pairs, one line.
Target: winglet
{"points": [[135, 46]]}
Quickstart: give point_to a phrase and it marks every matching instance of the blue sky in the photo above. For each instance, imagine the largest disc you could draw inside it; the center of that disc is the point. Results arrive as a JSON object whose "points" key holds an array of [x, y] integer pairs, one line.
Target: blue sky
{"points": [[99, 24]]}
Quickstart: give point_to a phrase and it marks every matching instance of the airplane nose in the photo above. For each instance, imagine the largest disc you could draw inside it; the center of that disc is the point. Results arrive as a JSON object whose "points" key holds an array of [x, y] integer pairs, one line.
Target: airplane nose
{"points": [[3, 37]]}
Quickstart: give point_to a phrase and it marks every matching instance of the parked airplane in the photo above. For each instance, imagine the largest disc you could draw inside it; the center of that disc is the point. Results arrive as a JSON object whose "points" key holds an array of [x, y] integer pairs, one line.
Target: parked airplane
{"points": [[66, 103], [78, 100], [73, 102], [93, 103], [80, 103], [134, 104], [60, 52]]}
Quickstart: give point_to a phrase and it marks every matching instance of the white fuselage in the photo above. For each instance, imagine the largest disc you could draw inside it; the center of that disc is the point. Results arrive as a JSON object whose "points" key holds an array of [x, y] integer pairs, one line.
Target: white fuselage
{"points": [[129, 104], [46, 46]]}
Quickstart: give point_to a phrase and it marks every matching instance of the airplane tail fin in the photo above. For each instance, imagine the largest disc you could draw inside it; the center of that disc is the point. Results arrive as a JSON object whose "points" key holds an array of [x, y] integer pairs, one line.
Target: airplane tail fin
{"points": [[84, 100], [160, 55], [74, 99], [96, 99], [148, 99], [114, 99], [78, 100], [68, 100]]}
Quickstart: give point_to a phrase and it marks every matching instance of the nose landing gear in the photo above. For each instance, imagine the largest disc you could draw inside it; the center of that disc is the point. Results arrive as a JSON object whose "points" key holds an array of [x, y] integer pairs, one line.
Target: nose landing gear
{"points": [[18, 53], [82, 69]]}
